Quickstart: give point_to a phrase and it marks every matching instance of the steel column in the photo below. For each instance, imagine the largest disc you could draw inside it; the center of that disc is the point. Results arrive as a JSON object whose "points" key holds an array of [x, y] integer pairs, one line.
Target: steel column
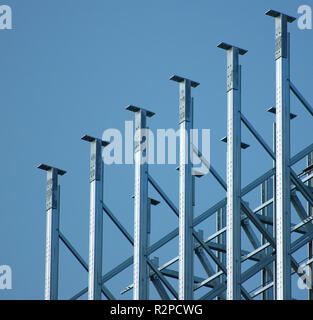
{"points": [[310, 213], [267, 273], [96, 218], [142, 207], [186, 260], [52, 233], [274, 209], [233, 211], [283, 210]]}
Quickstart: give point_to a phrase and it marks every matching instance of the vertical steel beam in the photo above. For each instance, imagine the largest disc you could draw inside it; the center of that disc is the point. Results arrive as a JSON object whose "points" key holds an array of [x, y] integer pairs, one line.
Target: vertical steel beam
{"points": [[283, 209], [274, 209], [52, 233], [186, 259], [233, 171], [310, 213], [267, 194], [96, 217], [142, 204]]}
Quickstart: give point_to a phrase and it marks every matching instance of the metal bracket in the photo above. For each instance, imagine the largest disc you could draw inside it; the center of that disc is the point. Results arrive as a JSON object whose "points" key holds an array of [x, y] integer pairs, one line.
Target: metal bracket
{"points": [[136, 109], [52, 186], [46, 167], [275, 14], [226, 46], [90, 139], [281, 33], [95, 157], [140, 122], [243, 145], [232, 64], [184, 97], [176, 78], [273, 110]]}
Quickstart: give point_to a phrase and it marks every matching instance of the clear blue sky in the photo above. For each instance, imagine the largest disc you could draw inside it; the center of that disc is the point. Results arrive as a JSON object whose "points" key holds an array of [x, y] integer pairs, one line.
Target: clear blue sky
{"points": [[70, 67]]}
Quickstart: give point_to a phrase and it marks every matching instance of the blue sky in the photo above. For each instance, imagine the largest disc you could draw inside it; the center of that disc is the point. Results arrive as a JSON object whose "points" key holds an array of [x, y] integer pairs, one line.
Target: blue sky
{"points": [[70, 67]]}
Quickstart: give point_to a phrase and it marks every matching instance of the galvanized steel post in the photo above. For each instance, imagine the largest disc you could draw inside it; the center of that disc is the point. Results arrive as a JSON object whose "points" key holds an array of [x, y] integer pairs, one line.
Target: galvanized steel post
{"points": [[186, 244], [310, 213], [283, 209], [96, 217], [233, 212], [52, 233], [142, 204], [266, 195]]}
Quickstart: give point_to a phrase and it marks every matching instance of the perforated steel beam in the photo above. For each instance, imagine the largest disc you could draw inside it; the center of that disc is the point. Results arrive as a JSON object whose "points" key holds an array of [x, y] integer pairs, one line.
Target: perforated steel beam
{"points": [[142, 205], [52, 231], [96, 217], [233, 211], [186, 259], [267, 273], [283, 210], [310, 213], [274, 207]]}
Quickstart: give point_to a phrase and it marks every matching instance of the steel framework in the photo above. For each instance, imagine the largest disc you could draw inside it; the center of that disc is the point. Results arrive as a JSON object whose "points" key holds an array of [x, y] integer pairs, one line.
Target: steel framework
{"points": [[267, 227]]}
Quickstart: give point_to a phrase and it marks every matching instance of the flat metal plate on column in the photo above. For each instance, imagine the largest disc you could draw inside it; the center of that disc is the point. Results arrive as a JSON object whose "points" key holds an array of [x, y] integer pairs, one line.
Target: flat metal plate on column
{"points": [[90, 139], [276, 14], [136, 109], [46, 167], [227, 46], [176, 78]]}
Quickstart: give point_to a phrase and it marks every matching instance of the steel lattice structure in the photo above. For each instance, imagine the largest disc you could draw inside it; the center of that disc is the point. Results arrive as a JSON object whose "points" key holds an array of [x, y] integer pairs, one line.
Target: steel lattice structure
{"points": [[268, 227]]}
